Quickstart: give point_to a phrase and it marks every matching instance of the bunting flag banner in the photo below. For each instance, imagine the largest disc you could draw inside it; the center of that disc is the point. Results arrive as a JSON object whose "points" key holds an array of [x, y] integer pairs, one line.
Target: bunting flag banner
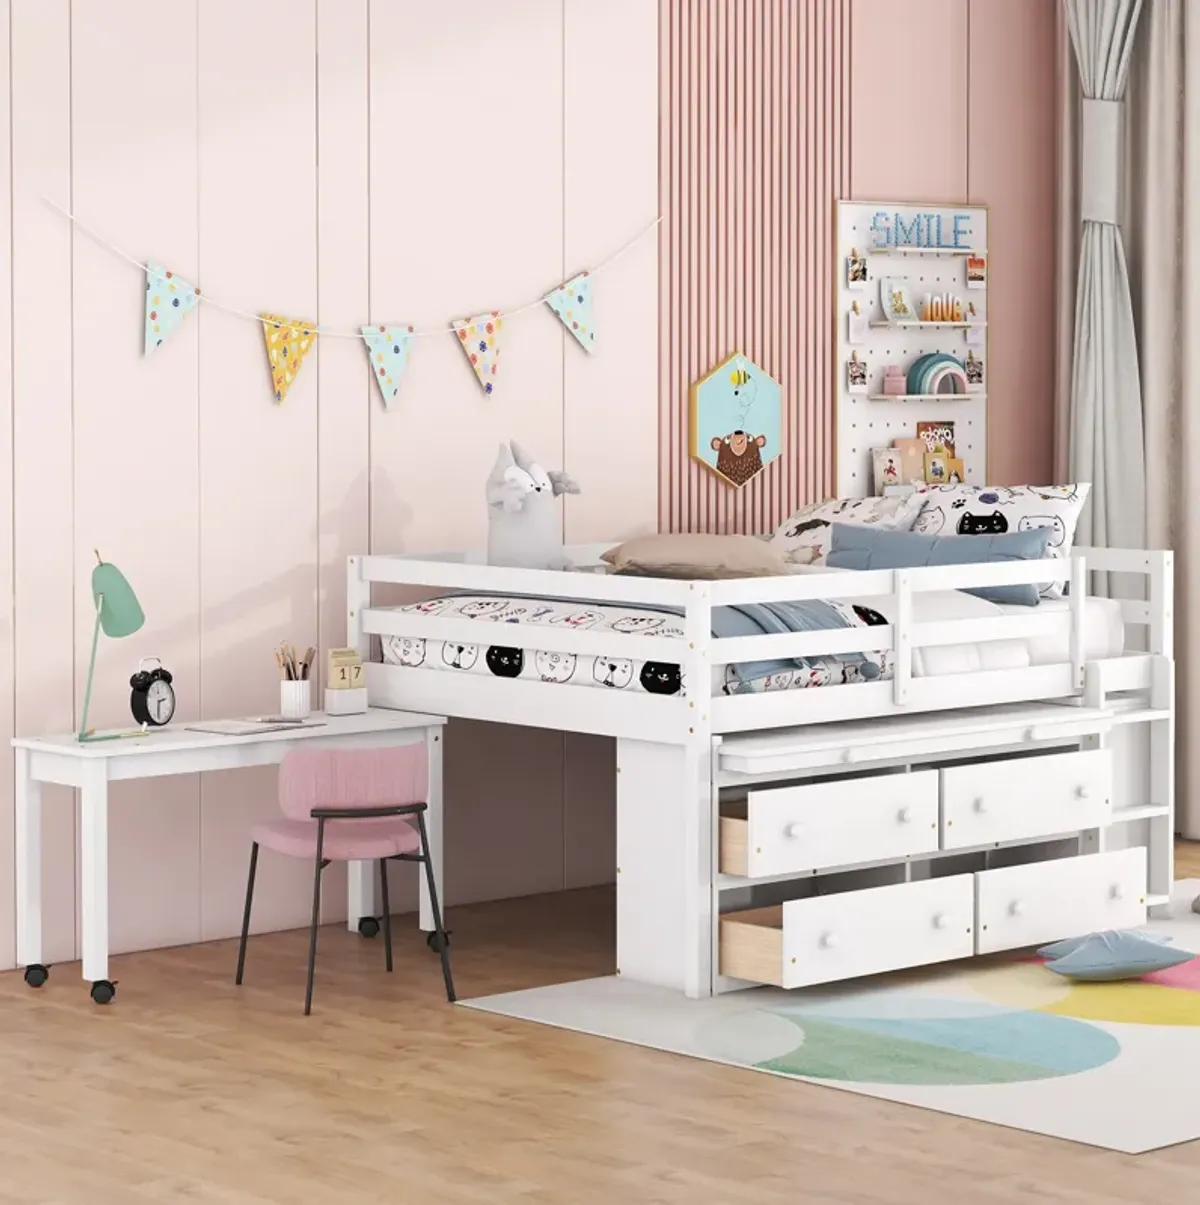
{"points": [[480, 339], [169, 300], [388, 347], [288, 341], [572, 302]]}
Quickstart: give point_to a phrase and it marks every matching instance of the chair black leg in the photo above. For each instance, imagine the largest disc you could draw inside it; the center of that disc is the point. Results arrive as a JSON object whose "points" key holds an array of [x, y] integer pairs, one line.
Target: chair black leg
{"points": [[438, 928], [387, 912], [318, 866], [241, 965]]}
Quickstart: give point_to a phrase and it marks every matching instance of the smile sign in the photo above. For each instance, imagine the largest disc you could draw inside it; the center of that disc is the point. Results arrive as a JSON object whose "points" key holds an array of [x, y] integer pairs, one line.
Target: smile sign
{"points": [[950, 230]]}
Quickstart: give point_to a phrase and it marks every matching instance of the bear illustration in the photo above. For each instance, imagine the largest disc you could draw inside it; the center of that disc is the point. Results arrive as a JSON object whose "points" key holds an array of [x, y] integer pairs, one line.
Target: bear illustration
{"points": [[739, 456], [554, 667], [411, 651], [460, 656], [616, 672]]}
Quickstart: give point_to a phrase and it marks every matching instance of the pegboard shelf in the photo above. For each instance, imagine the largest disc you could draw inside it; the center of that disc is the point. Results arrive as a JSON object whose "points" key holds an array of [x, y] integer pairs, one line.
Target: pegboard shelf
{"points": [[927, 251], [927, 397], [876, 250], [949, 326]]}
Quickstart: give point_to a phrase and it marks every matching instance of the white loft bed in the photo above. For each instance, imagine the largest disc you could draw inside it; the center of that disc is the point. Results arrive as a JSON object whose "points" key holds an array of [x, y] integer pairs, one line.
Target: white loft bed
{"points": [[716, 887]]}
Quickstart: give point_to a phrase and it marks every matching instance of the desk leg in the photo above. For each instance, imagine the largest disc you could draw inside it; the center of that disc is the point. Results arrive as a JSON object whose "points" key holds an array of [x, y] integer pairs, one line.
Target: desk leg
{"points": [[29, 863], [94, 872], [360, 893], [433, 825]]}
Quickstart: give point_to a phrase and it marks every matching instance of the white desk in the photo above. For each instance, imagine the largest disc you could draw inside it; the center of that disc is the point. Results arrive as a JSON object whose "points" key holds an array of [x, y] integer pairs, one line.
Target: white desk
{"points": [[175, 750]]}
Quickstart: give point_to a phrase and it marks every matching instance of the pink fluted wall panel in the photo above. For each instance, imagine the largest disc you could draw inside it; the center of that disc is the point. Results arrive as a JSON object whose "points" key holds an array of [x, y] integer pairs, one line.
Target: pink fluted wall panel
{"points": [[771, 112], [754, 151]]}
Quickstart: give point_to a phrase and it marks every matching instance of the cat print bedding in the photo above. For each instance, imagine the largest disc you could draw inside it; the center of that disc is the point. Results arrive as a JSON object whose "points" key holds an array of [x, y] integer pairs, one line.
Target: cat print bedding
{"points": [[505, 653]]}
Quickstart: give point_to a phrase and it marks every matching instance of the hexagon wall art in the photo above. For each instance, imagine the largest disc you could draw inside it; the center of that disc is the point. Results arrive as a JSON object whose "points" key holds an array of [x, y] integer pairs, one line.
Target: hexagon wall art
{"points": [[736, 420]]}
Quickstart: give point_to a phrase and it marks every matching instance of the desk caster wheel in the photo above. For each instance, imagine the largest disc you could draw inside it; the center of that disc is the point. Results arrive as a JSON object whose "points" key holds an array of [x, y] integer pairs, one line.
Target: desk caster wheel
{"points": [[36, 974], [434, 941], [103, 991], [368, 926]]}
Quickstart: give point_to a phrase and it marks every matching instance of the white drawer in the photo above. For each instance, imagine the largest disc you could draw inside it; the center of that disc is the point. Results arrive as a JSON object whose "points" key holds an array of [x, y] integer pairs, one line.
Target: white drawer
{"points": [[1025, 797], [835, 937], [819, 825], [1044, 901]]}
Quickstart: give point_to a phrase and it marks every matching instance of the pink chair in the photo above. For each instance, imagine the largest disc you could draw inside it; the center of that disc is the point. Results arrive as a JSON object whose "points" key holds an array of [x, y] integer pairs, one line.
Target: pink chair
{"points": [[345, 805]]}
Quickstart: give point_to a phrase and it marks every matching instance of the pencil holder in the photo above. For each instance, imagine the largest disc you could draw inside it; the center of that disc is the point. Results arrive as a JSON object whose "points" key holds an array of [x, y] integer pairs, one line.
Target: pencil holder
{"points": [[295, 699]]}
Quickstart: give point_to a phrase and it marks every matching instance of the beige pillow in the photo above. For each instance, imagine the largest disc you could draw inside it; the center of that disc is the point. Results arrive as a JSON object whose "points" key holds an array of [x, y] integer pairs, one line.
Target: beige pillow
{"points": [[685, 555]]}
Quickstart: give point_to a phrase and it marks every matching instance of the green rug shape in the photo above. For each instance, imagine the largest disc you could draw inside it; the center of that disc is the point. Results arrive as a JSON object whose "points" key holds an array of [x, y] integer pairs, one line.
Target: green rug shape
{"points": [[855, 1055]]}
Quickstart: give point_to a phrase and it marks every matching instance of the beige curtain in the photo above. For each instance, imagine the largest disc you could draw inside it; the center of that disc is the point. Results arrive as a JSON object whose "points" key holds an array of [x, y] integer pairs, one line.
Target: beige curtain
{"points": [[1162, 227]]}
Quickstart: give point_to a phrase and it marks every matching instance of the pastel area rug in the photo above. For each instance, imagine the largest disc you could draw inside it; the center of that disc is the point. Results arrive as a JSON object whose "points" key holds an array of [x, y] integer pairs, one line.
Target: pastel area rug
{"points": [[1000, 1040]]}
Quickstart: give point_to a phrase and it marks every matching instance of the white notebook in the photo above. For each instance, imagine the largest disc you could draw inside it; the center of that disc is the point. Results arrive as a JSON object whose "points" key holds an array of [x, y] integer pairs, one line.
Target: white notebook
{"points": [[251, 727]]}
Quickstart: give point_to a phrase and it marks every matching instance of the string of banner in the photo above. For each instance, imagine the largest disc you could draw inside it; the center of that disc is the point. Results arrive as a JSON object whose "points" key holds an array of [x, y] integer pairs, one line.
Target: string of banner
{"points": [[170, 298]]}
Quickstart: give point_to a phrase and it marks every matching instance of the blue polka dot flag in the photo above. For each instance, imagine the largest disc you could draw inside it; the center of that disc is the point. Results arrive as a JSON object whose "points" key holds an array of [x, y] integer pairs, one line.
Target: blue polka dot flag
{"points": [[388, 348], [169, 299], [572, 302]]}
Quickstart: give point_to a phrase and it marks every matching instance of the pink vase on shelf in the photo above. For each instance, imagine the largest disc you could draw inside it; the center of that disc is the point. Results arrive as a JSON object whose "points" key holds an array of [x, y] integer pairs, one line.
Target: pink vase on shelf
{"points": [[894, 380]]}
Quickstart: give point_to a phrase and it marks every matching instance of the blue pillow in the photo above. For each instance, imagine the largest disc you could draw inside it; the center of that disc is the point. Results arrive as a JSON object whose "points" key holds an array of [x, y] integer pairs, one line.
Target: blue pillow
{"points": [[858, 546], [1105, 957]]}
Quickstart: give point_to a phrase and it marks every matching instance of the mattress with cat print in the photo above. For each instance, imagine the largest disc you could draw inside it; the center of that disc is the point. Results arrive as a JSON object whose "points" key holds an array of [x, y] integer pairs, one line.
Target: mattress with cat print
{"points": [[515, 654]]}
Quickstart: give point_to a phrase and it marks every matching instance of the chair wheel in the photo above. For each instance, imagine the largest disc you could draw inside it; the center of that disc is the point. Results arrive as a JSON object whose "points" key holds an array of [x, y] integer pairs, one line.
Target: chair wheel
{"points": [[36, 974], [368, 926], [103, 991], [433, 941]]}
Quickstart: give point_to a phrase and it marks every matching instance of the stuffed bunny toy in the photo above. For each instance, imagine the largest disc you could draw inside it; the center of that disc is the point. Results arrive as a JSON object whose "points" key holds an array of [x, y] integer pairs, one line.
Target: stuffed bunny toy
{"points": [[524, 528]]}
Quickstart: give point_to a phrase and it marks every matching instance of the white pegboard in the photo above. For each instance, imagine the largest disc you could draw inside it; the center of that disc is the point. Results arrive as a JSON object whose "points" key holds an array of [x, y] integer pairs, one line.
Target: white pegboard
{"points": [[863, 422]]}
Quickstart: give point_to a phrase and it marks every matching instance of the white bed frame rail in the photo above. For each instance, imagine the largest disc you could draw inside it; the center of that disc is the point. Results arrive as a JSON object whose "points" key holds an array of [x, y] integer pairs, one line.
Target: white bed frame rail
{"points": [[672, 719]]}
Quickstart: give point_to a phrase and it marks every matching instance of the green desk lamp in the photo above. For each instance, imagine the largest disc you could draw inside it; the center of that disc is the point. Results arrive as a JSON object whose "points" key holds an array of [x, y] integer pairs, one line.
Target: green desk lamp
{"points": [[119, 613]]}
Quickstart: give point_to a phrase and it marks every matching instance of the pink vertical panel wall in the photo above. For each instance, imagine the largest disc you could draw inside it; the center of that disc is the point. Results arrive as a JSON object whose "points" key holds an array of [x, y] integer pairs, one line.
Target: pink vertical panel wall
{"points": [[754, 149], [337, 160], [773, 111], [7, 677]]}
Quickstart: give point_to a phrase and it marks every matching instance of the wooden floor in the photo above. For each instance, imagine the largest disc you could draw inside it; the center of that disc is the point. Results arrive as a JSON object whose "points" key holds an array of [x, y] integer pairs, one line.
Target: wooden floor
{"points": [[188, 1089]]}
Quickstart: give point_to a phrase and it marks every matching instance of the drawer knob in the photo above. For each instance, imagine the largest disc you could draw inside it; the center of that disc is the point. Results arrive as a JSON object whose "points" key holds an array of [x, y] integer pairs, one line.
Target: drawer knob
{"points": [[1117, 892], [1081, 792], [1016, 908], [940, 921], [793, 830], [829, 940], [904, 815], [981, 804]]}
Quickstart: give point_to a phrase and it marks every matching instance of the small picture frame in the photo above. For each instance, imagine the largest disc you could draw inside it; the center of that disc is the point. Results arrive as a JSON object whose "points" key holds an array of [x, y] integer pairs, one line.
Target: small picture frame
{"points": [[856, 270], [937, 468], [856, 374], [912, 460], [858, 325], [974, 371], [895, 297], [976, 335], [887, 467], [976, 271], [954, 472], [937, 437]]}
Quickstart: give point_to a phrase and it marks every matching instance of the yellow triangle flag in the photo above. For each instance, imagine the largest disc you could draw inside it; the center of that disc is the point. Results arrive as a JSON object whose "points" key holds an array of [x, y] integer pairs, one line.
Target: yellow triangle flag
{"points": [[288, 341]]}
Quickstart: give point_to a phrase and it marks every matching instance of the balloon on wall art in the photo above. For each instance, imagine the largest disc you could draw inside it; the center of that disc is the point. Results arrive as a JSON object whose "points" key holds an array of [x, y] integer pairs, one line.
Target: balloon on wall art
{"points": [[736, 420]]}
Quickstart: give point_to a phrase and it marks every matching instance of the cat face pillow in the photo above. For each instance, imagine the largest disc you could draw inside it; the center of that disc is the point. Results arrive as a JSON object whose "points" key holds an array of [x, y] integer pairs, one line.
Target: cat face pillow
{"points": [[990, 510]]}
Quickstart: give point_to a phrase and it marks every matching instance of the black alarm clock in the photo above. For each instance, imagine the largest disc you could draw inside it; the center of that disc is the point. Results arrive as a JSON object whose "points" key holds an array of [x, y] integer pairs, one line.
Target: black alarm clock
{"points": [[151, 697]]}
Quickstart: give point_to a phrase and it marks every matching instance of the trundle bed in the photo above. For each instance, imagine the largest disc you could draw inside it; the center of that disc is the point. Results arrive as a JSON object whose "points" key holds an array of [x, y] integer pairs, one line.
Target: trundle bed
{"points": [[964, 778]]}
